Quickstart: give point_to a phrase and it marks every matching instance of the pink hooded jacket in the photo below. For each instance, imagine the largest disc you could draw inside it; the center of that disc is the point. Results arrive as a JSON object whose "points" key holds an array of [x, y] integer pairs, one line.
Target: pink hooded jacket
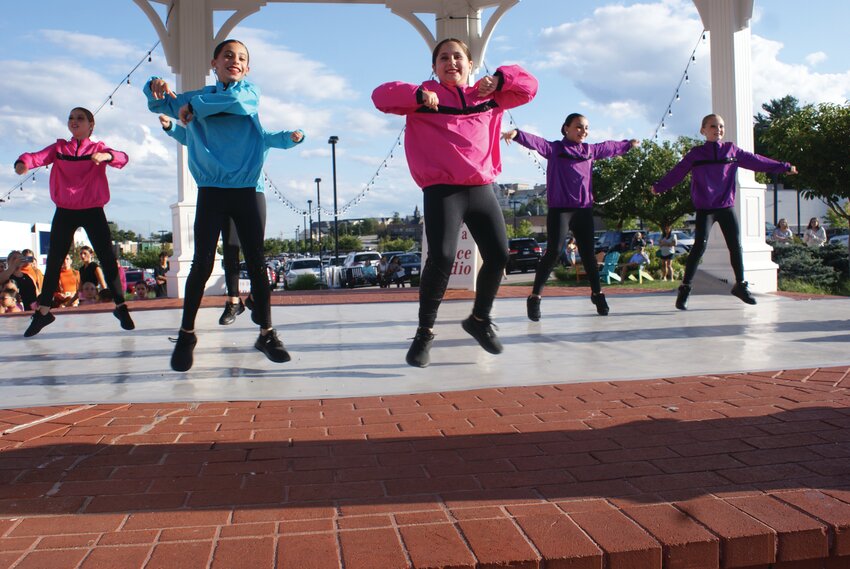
{"points": [[75, 181], [459, 143]]}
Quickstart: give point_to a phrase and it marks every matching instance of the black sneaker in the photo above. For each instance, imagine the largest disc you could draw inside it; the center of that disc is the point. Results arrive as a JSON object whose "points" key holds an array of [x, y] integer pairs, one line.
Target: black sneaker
{"points": [[271, 345], [532, 307], [419, 353], [38, 322], [601, 305], [231, 311], [181, 358], [249, 303], [482, 331], [741, 291], [682, 297], [122, 313]]}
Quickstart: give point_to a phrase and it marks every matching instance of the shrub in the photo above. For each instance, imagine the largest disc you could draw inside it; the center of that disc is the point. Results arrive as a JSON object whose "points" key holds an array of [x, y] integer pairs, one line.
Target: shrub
{"points": [[305, 282], [804, 264]]}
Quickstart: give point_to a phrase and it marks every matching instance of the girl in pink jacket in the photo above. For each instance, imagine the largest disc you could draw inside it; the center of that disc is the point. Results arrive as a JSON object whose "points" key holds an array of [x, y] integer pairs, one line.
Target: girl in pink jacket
{"points": [[452, 148], [79, 189]]}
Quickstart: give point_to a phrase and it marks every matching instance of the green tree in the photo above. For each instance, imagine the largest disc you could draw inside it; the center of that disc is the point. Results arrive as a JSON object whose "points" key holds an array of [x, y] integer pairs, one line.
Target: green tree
{"points": [[149, 258], [273, 247], [399, 244], [814, 139], [368, 226], [640, 168], [523, 229], [349, 243], [776, 109]]}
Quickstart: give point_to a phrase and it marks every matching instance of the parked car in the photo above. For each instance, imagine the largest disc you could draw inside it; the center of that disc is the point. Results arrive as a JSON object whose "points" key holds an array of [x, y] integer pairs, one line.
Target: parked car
{"points": [[617, 240], [523, 255], [270, 274], [684, 240], [362, 259], [839, 239], [412, 265], [298, 267], [136, 275]]}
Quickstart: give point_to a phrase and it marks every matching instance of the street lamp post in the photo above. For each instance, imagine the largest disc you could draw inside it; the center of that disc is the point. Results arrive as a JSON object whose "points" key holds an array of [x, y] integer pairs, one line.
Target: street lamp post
{"points": [[304, 213], [296, 237], [310, 214], [332, 141], [319, 213]]}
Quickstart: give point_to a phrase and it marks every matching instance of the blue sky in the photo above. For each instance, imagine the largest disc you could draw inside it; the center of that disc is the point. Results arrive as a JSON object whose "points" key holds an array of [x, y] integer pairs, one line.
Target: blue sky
{"points": [[616, 62]]}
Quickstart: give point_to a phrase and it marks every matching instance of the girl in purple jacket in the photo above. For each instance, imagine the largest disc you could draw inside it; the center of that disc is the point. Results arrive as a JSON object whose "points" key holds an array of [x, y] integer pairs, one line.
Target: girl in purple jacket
{"points": [[452, 148], [569, 194], [79, 189], [713, 167]]}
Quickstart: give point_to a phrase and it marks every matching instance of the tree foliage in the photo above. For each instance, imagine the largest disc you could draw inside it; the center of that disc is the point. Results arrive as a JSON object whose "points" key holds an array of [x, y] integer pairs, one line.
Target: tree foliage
{"points": [[814, 139], [640, 168], [400, 244]]}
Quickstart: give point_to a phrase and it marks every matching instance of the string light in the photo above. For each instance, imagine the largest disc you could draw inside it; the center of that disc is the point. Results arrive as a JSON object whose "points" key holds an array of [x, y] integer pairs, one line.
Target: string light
{"points": [[662, 124]]}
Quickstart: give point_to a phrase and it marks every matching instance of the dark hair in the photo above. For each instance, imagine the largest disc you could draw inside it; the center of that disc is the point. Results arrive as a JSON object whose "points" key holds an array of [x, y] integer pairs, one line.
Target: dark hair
{"points": [[462, 45], [569, 120], [89, 115], [220, 47], [813, 220], [105, 295], [87, 249]]}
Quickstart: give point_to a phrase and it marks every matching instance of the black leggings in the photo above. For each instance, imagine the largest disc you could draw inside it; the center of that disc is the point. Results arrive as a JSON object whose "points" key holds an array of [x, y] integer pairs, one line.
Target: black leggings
{"points": [[65, 224], [230, 248], [705, 218], [559, 221], [216, 207], [446, 208]]}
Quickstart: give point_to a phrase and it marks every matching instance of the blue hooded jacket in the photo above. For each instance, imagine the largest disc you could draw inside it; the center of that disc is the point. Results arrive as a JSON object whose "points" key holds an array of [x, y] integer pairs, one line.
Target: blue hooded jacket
{"points": [[226, 142]]}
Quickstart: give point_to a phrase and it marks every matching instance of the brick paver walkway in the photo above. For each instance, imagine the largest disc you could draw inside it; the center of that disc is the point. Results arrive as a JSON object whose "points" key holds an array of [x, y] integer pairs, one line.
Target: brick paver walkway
{"points": [[746, 470]]}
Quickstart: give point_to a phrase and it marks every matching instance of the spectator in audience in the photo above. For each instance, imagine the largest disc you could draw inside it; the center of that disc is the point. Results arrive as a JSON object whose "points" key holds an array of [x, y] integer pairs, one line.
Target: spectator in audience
{"points": [[639, 258], [91, 272], [10, 300], [69, 285], [815, 236], [105, 295], [159, 273], [781, 233], [32, 270], [15, 273], [140, 291], [383, 280], [88, 293]]}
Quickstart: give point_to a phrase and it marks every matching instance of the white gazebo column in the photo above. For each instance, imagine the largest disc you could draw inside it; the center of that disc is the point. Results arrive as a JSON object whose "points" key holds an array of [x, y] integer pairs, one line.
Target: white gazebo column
{"points": [[459, 19], [728, 22]]}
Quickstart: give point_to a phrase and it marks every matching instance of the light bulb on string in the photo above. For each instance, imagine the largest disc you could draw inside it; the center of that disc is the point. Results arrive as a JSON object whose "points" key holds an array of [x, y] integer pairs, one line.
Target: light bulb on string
{"points": [[687, 80], [677, 96]]}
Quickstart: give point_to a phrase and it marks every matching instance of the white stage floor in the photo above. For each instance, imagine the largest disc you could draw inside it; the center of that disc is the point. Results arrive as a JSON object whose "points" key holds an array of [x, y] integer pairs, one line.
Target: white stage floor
{"points": [[358, 349]]}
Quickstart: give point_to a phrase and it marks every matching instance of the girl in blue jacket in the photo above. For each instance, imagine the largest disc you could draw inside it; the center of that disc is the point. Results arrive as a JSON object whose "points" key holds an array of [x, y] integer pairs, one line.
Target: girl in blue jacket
{"points": [[227, 147]]}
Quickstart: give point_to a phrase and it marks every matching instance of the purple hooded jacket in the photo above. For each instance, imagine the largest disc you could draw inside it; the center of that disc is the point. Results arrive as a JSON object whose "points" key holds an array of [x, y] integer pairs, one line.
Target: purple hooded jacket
{"points": [[569, 167], [714, 165]]}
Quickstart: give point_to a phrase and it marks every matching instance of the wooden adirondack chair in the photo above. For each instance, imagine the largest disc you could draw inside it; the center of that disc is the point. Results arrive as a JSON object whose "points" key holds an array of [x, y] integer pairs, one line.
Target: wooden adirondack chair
{"points": [[609, 267]]}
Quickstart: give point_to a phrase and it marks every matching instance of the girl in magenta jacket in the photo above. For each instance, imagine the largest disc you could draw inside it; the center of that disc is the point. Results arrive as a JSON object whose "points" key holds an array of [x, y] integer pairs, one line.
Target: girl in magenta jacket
{"points": [[79, 189], [713, 167], [569, 195], [452, 148]]}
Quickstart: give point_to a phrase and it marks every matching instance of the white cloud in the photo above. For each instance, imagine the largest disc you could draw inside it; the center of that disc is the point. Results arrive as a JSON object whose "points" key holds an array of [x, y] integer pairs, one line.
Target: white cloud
{"points": [[91, 46], [628, 60], [280, 70], [815, 58], [773, 79]]}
